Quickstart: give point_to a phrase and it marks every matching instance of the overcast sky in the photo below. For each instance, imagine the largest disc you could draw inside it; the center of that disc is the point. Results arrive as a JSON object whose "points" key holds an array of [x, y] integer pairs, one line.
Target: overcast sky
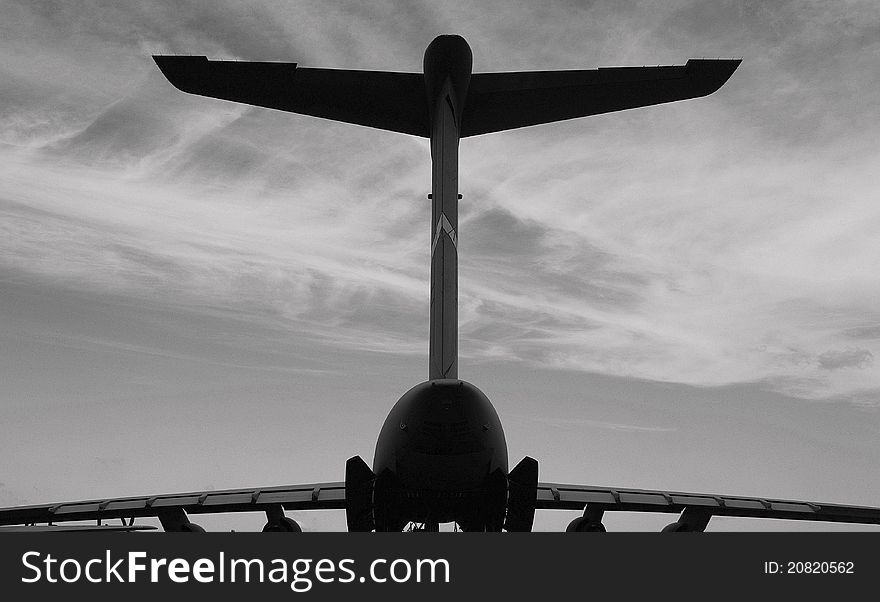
{"points": [[199, 294]]}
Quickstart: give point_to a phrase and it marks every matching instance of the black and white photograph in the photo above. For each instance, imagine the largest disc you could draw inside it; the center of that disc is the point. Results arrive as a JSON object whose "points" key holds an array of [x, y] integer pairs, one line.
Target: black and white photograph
{"points": [[439, 266]]}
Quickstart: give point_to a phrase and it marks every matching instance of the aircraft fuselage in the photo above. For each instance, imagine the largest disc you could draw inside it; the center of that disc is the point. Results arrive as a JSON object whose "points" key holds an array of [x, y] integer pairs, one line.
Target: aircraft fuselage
{"points": [[441, 455]]}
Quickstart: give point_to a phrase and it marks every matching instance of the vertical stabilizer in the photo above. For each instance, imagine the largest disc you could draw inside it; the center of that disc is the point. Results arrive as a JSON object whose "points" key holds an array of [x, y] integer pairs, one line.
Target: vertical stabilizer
{"points": [[448, 62]]}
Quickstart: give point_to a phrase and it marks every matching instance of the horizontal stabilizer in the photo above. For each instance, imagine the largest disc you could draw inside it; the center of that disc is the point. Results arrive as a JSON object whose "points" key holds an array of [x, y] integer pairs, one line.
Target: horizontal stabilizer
{"points": [[380, 99], [504, 101], [398, 101]]}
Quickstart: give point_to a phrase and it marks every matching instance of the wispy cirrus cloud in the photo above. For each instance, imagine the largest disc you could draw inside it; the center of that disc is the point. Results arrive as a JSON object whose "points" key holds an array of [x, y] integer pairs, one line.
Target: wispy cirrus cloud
{"points": [[722, 240]]}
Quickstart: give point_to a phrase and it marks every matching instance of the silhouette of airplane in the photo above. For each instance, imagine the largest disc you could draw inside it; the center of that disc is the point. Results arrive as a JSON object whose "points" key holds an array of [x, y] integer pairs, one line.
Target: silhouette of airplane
{"points": [[441, 455]]}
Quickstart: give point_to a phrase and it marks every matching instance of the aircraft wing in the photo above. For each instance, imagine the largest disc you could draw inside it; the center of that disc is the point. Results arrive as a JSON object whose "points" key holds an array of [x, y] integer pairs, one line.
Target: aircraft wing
{"points": [[380, 99], [504, 101], [76, 528], [698, 506], [172, 509]]}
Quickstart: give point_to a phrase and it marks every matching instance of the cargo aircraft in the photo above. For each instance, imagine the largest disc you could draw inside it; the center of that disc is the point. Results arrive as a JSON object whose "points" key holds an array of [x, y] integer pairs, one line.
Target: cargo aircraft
{"points": [[441, 455]]}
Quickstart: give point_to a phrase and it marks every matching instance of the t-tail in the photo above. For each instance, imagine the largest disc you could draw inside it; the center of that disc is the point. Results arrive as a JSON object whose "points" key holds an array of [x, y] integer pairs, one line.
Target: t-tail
{"points": [[444, 103], [447, 69], [441, 455]]}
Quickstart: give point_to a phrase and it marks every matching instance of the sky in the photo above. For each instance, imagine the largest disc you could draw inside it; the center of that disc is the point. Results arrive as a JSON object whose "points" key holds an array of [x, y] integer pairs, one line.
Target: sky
{"points": [[197, 294]]}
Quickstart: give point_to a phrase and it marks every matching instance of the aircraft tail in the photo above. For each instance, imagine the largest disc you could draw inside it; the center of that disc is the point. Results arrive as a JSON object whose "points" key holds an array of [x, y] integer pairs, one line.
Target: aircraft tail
{"points": [[378, 99], [398, 101], [504, 101]]}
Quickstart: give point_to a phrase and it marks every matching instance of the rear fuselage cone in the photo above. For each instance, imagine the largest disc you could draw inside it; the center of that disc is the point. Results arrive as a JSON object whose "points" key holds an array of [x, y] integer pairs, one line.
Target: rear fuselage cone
{"points": [[441, 436]]}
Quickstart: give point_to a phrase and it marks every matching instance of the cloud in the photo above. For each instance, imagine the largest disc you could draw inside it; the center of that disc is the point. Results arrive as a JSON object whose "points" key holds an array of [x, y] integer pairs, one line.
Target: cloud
{"points": [[864, 332], [241, 30], [721, 240], [123, 133], [848, 358], [579, 424]]}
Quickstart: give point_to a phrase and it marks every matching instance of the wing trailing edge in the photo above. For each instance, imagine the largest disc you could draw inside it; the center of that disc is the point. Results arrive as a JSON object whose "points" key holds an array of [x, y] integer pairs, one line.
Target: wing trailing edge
{"points": [[504, 101], [398, 101], [314, 496], [380, 99], [557, 496], [325, 496]]}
